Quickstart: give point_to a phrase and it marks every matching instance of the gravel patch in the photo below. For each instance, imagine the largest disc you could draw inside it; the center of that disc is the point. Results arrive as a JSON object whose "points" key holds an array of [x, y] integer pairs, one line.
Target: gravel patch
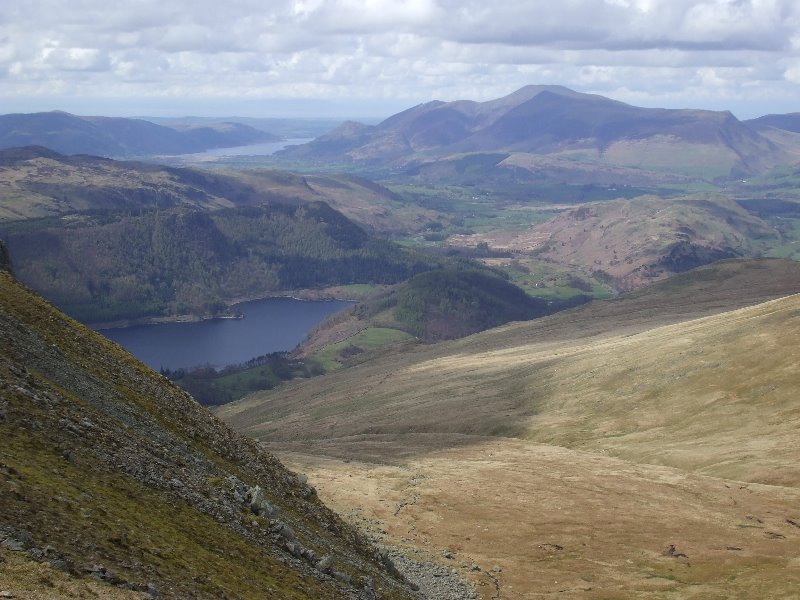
{"points": [[435, 582]]}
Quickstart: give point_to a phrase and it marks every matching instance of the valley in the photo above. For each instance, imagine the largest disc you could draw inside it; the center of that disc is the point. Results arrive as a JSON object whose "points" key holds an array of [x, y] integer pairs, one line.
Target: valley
{"points": [[569, 369], [614, 450]]}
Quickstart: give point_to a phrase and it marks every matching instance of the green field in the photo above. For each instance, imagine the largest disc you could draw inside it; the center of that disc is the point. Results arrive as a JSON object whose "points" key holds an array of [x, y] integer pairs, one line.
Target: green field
{"points": [[357, 347]]}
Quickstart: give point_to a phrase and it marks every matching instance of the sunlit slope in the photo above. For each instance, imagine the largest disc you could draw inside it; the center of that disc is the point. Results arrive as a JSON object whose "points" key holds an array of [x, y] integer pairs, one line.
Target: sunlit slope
{"points": [[566, 523], [715, 394]]}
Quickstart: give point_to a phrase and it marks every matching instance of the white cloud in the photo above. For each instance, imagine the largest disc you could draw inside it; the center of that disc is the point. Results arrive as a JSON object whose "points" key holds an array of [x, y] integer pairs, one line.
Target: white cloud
{"points": [[75, 59], [649, 51]]}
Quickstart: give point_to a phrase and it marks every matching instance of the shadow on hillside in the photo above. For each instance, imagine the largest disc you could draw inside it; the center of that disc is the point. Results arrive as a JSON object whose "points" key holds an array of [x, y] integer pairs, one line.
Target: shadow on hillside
{"points": [[452, 394]]}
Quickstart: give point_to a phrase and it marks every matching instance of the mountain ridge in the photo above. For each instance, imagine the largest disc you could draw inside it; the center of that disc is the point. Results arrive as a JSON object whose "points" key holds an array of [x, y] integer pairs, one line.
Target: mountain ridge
{"points": [[117, 136], [546, 120]]}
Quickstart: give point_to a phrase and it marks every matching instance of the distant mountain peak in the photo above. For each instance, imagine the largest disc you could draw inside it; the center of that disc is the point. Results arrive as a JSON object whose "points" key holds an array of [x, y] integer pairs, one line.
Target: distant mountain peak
{"points": [[553, 120]]}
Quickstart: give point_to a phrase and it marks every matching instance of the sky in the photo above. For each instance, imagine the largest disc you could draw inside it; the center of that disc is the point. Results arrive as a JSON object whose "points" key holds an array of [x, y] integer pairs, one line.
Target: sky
{"points": [[371, 58]]}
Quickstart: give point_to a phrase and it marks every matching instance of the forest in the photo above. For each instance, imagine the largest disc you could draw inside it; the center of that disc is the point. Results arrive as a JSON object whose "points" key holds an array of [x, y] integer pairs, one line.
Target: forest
{"points": [[101, 267]]}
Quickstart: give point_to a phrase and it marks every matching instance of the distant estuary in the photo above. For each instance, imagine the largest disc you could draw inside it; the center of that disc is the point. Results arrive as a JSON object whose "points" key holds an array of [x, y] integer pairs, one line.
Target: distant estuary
{"points": [[270, 325]]}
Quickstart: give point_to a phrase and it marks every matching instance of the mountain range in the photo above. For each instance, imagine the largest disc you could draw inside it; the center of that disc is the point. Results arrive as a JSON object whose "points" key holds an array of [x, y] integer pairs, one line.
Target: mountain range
{"points": [[567, 126], [120, 137], [640, 446]]}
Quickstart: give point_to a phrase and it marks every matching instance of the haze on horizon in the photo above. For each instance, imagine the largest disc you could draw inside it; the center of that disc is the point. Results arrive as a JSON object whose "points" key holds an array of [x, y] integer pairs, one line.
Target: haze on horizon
{"points": [[369, 59]]}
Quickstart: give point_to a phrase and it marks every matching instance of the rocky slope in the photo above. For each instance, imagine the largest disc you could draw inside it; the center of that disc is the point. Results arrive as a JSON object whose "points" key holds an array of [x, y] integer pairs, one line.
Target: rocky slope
{"points": [[112, 476]]}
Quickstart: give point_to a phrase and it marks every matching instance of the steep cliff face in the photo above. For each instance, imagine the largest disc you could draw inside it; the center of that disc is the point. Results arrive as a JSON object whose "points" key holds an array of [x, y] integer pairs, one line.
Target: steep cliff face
{"points": [[113, 476]]}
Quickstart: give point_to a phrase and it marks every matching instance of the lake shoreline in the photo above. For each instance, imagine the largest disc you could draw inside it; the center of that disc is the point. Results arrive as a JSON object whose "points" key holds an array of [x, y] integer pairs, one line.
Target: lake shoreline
{"points": [[271, 324], [312, 295], [136, 322]]}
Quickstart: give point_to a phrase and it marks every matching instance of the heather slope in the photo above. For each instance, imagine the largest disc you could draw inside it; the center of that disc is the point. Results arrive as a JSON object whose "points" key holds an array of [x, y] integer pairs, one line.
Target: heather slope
{"points": [[631, 243], [628, 243]]}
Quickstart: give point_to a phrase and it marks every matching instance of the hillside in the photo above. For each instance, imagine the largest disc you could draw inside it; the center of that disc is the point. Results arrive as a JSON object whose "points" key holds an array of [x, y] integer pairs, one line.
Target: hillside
{"points": [[119, 137], [451, 303], [442, 304], [39, 183], [115, 483], [557, 122], [107, 240], [640, 447], [630, 243], [788, 122], [704, 292]]}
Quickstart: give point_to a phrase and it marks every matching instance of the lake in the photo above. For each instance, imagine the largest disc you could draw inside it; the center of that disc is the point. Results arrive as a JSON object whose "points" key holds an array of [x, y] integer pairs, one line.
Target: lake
{"points": [[270, 325], [264, 149]]}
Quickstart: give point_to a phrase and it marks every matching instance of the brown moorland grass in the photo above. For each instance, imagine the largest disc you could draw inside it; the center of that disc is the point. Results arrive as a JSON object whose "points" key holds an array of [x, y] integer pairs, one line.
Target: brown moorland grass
{"points": [[645, 447], [541, 521]]}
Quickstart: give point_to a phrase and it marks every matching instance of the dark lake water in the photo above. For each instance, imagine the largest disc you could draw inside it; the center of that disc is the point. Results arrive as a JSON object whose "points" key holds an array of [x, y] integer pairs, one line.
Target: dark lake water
{"points": [[271, 325]]}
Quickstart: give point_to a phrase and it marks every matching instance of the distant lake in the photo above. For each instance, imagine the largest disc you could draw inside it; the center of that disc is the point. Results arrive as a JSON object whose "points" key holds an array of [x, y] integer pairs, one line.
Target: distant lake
{"points": [[270, 325], [264, 149]]}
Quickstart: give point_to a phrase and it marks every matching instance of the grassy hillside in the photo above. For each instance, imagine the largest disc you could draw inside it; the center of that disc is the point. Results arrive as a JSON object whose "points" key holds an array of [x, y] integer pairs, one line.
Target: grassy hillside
{"points": [[643, 447], [507, 381], [113, 479], [442, 304]]}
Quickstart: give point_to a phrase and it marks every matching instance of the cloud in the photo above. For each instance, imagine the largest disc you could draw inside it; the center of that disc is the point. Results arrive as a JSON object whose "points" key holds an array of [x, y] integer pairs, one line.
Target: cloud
{"points": [[75, 59], [646, 51]]}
